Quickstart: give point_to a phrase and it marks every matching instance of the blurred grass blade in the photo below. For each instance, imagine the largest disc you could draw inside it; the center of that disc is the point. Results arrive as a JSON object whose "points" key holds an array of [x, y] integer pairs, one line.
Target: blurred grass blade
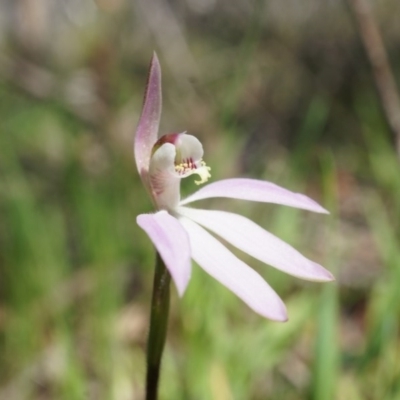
{"points": [[325, 371]]}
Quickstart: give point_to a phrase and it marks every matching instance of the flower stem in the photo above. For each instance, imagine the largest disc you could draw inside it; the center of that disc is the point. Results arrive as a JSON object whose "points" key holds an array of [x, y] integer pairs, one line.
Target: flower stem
{"points": [[158, 327]]}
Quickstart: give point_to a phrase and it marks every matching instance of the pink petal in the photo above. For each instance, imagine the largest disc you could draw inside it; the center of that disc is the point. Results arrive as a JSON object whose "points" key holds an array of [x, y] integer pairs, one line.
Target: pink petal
{"points": [[257, 242], [172, 242], [147, 129], [233, 273], [254, 190]]}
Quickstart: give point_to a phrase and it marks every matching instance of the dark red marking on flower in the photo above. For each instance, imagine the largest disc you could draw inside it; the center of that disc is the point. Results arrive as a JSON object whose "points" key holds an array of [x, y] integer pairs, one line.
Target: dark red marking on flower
{"points": [[168, 138]]}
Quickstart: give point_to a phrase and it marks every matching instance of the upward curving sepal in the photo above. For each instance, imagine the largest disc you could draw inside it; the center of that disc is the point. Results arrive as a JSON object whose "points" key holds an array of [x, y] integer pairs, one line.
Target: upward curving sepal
{"points": [[147, 129]]}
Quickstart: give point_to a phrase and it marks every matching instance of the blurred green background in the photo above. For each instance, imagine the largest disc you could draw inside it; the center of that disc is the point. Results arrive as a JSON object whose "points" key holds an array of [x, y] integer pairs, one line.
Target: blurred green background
{"points": [[276, 90]]}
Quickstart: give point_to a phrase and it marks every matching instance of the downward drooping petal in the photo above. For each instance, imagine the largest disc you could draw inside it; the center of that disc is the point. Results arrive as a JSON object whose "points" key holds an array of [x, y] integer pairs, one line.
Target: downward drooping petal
{"points": [[233, 273], [254, 190], [147, 129], [258, 243], [172, 242]]}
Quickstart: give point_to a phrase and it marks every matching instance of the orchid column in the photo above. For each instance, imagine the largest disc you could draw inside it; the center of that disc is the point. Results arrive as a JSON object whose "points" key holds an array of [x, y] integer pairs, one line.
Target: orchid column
{"points": [[180, 233]]}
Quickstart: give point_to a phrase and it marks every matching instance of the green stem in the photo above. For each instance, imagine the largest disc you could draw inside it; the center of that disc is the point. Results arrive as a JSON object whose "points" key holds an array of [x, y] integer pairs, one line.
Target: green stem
{"points": [[158, 327]]}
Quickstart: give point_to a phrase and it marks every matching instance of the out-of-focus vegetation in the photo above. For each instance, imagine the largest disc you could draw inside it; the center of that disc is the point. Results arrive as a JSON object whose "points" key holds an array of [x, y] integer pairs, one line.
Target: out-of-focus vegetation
{"points": [[279, 90]]}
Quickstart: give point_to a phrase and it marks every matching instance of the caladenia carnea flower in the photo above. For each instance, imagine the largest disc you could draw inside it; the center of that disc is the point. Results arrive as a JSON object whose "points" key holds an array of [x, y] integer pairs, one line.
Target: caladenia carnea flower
{"points": [[181, 233]]}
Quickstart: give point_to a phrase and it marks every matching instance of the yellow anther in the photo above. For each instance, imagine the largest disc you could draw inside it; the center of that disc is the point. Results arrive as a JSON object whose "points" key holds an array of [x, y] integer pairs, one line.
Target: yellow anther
{"points": [[190, 168]]}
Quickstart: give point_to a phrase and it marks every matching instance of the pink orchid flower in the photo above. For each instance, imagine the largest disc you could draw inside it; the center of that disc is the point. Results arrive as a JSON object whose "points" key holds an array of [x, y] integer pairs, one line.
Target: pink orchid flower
{"points": [[181, 233]]}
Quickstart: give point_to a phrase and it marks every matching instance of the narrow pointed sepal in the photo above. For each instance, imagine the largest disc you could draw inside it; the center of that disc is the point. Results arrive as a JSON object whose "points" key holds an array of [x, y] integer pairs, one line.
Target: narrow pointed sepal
{"points": [[254, 190], [147, 129], [225, 267], [249, 237]]}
